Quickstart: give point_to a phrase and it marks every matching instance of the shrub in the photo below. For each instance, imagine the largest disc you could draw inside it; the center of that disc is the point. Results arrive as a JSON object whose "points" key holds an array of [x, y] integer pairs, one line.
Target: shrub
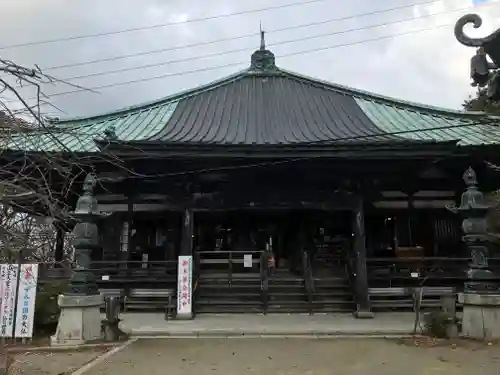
{"points": [[46, 308], [437, 323]]}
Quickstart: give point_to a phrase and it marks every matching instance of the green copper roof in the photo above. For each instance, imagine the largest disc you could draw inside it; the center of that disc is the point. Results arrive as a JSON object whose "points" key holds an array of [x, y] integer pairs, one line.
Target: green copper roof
{"points": [[412, 123], [266, 105], [79, 135]]}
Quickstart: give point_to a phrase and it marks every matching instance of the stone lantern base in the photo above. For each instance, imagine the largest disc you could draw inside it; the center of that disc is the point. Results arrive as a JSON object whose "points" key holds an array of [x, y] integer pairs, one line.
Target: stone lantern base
{"points": [[80, 320], [481, 315]]}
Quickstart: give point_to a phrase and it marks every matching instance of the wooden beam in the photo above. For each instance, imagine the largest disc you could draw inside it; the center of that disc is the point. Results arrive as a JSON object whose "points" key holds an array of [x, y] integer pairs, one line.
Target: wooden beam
{"points": [[137, 207], [432, 203], [138, 198], [434, 193], [395, 204]]}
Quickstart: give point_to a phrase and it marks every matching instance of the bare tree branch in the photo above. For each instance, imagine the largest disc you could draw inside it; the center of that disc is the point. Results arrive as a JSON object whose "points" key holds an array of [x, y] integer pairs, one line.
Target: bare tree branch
{"points": [[33, 181]]}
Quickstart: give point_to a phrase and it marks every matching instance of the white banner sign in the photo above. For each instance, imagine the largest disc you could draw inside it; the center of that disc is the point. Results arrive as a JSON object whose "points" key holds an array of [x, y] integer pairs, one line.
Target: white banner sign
{"points": [[26, 300], [185, 286], [8, 281], [247, 261], [24, 307]]}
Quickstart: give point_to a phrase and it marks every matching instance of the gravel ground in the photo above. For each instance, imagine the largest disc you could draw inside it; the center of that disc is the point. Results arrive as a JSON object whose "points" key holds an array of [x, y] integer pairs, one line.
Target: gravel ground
{"points": [[54, 363], [281, 356]]}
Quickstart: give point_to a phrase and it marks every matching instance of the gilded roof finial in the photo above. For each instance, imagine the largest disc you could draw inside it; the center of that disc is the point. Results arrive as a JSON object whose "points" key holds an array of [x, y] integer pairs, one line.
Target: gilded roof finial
{"points": [[262, 38]]}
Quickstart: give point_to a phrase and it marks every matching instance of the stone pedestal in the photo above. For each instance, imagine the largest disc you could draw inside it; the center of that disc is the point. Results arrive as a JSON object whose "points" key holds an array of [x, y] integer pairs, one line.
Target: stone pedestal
{"points": [[481, 315], [80, 320], [363, 314]]}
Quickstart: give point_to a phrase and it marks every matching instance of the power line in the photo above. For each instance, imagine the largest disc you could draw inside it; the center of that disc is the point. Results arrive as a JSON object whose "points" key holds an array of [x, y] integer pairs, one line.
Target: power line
{"points": [[326, 142], [238, 63], [122, 31], [276, 162], [216, 54], [150, 52]]}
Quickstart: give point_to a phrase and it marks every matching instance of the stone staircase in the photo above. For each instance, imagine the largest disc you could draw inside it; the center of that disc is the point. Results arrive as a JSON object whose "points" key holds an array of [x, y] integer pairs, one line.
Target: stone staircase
{"points": [[286, 294], [219, 294]]}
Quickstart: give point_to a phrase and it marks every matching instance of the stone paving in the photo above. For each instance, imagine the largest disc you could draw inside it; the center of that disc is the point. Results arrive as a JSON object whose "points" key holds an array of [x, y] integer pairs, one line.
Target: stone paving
{"points": [[297, 356], [144, 324]]}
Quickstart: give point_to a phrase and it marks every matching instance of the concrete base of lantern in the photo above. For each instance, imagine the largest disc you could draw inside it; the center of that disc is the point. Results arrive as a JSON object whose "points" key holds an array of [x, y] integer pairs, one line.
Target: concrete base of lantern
{"points": [[80, 320], [363, 314], [481, 315]]}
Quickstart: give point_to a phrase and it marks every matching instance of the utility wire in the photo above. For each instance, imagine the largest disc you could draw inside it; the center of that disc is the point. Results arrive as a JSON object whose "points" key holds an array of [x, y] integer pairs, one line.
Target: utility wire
{"points": [[216, 54], [124, 83], [235, 51], [150, 52], [335, 142], [122, 31]]}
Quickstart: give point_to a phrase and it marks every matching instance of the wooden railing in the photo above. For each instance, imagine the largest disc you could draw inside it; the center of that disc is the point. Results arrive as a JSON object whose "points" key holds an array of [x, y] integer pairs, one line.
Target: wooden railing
{"points": [[308, 280], [117, 273], [229, 266], [421, 271], [228, 261], [264, 281], [196, 281]]}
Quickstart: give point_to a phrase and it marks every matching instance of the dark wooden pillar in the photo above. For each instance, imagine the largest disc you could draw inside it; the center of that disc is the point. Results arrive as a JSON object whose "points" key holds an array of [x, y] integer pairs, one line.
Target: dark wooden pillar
{"points": [[126, 245], [59, 246], [359, 250], [187, 232], [130, 220], [185, 271]]}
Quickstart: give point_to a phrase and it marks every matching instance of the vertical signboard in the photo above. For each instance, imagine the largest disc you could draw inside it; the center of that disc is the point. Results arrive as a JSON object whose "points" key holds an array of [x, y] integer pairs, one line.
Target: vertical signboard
{"points": [[17, 314], [3, 285], [8, 274], [247, 261], [184, 286], [26, 300]]}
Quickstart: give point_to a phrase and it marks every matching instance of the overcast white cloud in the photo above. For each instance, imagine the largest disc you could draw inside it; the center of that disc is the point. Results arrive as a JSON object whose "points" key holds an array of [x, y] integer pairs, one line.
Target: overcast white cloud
{"points": [[429, 66]]}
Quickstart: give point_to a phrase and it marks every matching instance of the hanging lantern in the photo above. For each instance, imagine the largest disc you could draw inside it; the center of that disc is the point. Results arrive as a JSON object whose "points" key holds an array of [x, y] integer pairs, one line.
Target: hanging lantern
{"points": [[479, 69]]}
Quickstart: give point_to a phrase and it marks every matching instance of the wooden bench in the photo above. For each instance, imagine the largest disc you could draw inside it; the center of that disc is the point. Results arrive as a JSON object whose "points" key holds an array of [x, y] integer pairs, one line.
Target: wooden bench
{"points": [[143, 298], [401, 297], [389, 298], [387, 291]]}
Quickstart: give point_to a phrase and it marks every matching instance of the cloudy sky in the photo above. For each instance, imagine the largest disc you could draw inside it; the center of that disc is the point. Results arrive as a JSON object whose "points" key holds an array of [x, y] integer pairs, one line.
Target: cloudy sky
{"points": [[412, 53]]}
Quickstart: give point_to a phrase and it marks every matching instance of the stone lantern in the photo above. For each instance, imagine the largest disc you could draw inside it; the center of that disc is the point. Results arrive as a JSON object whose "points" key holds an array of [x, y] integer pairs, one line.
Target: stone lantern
{"points": [[80, 320], [481, 296]]}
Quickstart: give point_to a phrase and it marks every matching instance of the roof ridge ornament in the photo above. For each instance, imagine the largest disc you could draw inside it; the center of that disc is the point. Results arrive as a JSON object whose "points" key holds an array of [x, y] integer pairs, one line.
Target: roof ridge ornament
{"points": [[263, 60], [110, 133], [262, 38]]}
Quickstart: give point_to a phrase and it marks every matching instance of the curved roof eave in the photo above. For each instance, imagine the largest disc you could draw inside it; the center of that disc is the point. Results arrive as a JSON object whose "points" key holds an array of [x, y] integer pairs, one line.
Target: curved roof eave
{"points": [[165, 100], [311, 110], [387, 99], [311, 80]]}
